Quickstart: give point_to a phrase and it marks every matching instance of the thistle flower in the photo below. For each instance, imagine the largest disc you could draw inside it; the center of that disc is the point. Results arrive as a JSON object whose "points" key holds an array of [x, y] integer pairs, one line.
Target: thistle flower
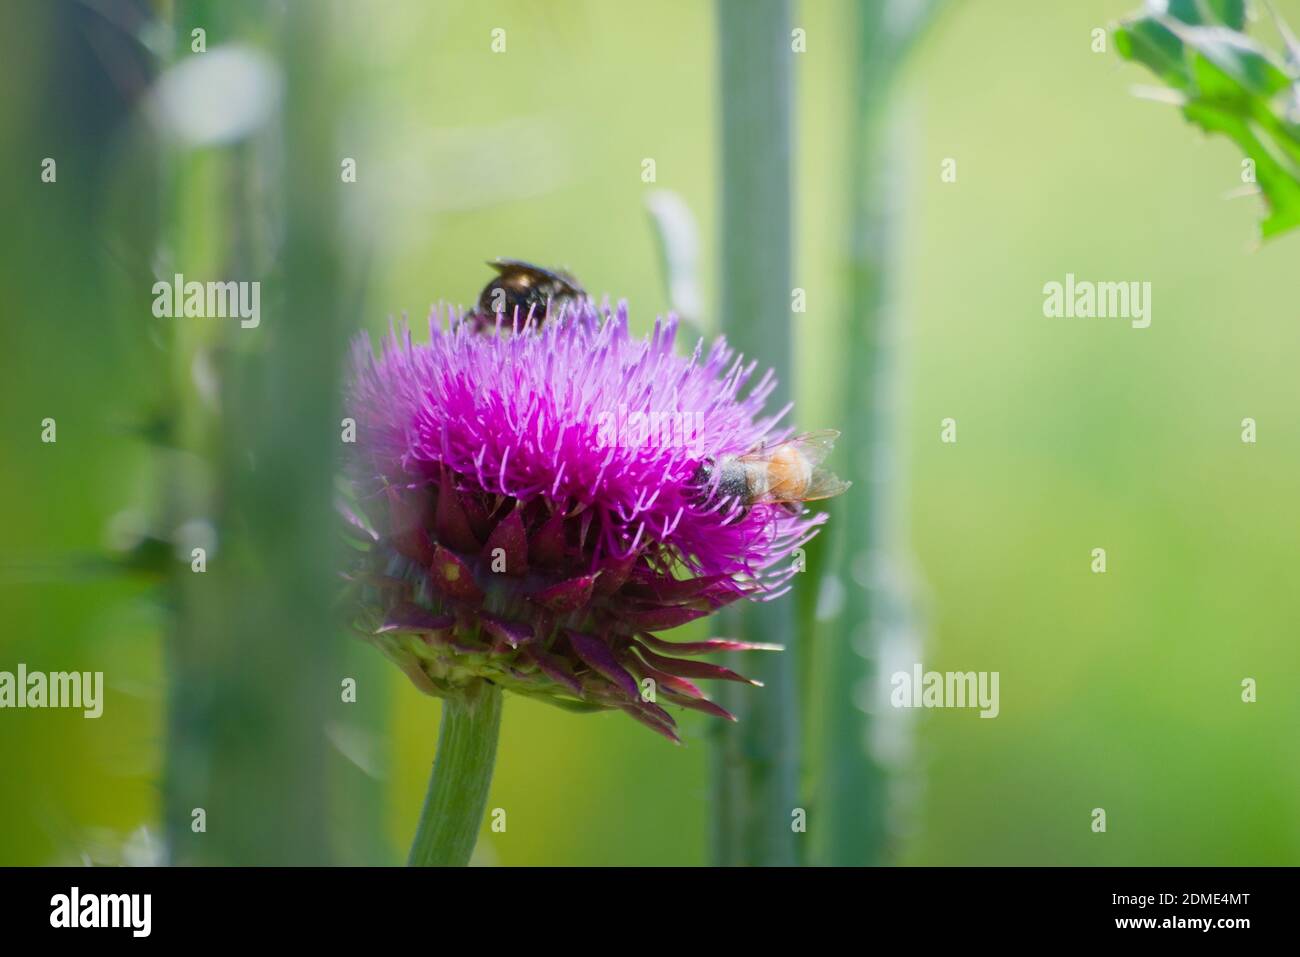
{"points": [[533, 514]]}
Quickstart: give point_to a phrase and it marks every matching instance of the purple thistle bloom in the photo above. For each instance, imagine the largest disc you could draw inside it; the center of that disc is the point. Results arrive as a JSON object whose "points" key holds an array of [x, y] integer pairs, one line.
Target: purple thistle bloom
{"points": [[536, 516]]}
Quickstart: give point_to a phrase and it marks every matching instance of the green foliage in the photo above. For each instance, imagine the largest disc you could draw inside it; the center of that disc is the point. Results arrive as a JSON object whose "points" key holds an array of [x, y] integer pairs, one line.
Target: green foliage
{"points": [[1228, 83]]}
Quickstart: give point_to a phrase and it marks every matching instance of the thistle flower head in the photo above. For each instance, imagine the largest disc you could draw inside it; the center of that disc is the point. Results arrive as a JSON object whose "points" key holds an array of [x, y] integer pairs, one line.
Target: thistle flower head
{"points": [[530, 512]]}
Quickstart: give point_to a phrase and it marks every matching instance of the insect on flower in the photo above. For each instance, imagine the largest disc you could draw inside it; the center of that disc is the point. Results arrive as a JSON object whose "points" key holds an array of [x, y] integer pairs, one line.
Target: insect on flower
{"points": [[501, 541], [522, 290], [788, 473]]}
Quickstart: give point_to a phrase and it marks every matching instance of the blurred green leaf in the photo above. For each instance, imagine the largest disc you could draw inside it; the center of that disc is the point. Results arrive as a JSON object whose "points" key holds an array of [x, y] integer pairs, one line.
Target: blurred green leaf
{"points": [[1231, 13], [1148, 41], [1229, 85]]}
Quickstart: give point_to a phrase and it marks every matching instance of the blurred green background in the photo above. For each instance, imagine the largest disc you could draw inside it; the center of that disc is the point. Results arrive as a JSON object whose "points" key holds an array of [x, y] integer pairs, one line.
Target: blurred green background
{"points": [[1119, 691]]}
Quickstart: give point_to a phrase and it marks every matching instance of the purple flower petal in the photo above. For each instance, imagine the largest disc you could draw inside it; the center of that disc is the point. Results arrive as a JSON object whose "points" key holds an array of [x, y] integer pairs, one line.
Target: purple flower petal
{"points": [[413, 619], [511, 538], [513, 633], [661, 619], [547, 543], [706, 647], [654, 722], [451, 523], [665, 681], [597, 655], [566, 596], [415, 544], [699, 704], [665, 590], [614, 572], [691, 669], [453, 577], [554, 669]]}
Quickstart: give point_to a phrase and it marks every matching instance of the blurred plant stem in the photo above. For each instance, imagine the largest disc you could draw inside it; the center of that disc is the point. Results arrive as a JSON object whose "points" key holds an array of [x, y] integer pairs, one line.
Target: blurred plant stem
{"points": [[253, 657], [851, 785], [461, 779], [756, 761]]}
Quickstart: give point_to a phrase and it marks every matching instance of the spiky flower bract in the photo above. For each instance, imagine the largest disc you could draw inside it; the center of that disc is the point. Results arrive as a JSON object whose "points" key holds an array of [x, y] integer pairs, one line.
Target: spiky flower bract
{"points": [[532, 517]]}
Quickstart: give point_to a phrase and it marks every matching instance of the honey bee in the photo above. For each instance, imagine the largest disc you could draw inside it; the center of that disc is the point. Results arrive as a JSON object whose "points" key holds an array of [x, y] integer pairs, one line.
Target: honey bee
{"points": [[520, 287], [788, 474]]}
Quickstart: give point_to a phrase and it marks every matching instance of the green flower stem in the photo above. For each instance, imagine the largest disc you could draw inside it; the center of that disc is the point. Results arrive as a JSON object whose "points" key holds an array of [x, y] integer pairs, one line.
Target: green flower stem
{"points": [[462, 775], [851, 783], [756, 763], [244, 744]]}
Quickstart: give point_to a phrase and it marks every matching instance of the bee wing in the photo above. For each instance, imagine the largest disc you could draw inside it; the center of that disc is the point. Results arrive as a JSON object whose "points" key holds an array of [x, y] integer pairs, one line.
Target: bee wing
{"points": [[813, 446], [507, 266], [824, 484]]}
